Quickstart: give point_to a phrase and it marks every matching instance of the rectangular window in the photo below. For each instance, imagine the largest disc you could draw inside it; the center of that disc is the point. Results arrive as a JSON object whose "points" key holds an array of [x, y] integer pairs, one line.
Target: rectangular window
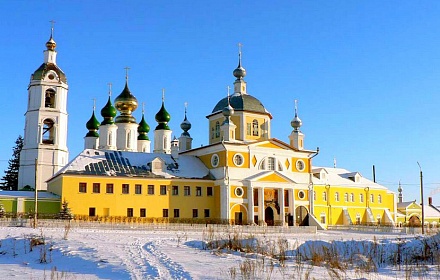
{"points": [[323, 219], [324, 196], [176, 213], [175, 190], [271, 163], [361, 198], [150, 189], [143, 213], [198, 191], [125, 188], [138, 189], [165, 213], [187, 190], [83, 188], [248, 129], [163, 190], [195, 213], [209, 191], [92, 212], [129, 212], [206, 213], [109, 188], [96, 187]]}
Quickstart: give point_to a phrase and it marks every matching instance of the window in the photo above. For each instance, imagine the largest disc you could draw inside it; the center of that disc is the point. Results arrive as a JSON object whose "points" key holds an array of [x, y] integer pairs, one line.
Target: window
{"points": [[163, 190], [129, 212], [128, 140], [206, 213], [323, 220], [109, 188], [175, 190], [254, 128], [187, 190], [125, 188], [82, 187], [336, 196], [96, 188], [324, 196], [358, 219], [217, 130], [92, 212], [165, 213], [255, 197], [48, 131], [346, 197], [301, 194], [198, 191], [352, 197], [361, 198], [239, 192], [238, 160], [176, 213], [150, 189], [271, 163], [110, 138], [143, 213], [371, 197], [209, 191], [195, 213], [138, 189], [379, 198], [248, 129], [212, 133], [49, 100], [214, 160]]}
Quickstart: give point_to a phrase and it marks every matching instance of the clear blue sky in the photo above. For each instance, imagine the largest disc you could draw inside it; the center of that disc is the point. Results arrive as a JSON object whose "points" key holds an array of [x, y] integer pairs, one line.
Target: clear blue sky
{"points": [[366, 73]]}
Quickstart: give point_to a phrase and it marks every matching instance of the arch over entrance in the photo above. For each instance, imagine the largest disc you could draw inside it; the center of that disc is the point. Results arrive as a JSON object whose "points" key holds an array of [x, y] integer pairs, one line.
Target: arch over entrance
{"points": [[269, 216], [414, 221], [301, 216]]}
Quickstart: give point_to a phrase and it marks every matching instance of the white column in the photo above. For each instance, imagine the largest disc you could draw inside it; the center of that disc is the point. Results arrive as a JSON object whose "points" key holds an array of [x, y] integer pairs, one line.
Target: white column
{"points": [[250, 196], [281, 203], [261, 205]]}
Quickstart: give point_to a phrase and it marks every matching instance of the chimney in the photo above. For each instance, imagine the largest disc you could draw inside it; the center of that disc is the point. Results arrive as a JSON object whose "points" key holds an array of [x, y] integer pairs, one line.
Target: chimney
{"points": [[429, 200]]}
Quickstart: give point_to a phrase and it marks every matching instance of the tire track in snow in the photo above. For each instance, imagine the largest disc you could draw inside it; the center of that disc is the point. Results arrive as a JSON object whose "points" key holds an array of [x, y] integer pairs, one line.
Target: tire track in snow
{"points": [[171, 270], [140, 265]]}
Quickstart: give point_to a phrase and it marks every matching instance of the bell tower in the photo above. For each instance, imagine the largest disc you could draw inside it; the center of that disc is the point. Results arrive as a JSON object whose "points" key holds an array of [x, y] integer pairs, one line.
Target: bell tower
{"points": [[45, 133]]}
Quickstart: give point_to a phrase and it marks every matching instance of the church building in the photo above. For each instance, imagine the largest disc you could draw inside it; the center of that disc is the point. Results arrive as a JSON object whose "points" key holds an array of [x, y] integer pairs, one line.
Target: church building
{"points": [[243, 175]]}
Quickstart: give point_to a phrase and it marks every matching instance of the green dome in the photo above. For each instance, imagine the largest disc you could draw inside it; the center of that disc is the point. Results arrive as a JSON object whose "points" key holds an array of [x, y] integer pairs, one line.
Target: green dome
{"points": [[108, 112], [92, 125], [143, 129], [163, 117], [126, 103]]}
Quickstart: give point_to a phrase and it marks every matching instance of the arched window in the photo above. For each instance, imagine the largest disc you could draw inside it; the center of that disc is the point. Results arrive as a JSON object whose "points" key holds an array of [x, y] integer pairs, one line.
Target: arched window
{"points": [[255, 128], [324, 196], [48, 131], [379, 198], [217, 130], [352, 197], [361, 197], [49, 99], [371, 198], [336, 196], [346, 197]]}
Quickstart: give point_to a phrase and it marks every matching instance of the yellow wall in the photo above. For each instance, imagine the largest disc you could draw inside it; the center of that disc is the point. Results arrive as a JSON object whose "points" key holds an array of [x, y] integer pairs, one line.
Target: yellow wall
{"points": [[249, 120], [117, 203]]}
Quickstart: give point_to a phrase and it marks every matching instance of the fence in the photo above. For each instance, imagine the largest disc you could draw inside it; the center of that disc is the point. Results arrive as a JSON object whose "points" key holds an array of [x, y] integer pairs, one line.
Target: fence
{"points": [[52, 223]]}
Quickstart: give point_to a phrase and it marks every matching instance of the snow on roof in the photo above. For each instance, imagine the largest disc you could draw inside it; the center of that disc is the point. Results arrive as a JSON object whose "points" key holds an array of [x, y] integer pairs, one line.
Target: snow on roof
{"points": [[342, 177], [123, 163], [28, 194], [431, 212]]}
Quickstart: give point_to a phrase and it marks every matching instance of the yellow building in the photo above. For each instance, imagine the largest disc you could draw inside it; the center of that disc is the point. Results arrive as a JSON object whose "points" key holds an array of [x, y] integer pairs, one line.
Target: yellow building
{"points": [[243, 176]]}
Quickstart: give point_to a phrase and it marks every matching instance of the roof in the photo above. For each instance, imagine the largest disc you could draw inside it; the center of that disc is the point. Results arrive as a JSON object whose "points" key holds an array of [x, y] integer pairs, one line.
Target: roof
{"points": [[28, 194], [134, 164], [44, 68], [241, 102], [342, 177]]}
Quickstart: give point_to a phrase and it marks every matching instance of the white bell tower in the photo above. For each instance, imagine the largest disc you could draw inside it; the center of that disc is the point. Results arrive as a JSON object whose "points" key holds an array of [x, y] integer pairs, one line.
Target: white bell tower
{"points": [[45, 132]]}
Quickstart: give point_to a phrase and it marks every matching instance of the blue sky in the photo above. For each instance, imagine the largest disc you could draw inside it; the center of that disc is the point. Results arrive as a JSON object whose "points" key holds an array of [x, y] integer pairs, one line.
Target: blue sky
{"points": [[366, 74]]}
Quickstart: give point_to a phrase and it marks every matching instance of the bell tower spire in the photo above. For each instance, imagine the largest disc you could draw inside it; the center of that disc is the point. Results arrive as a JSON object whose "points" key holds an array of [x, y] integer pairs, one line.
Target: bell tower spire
{"points": [[45, 132], [296, 137], [239, 73]]}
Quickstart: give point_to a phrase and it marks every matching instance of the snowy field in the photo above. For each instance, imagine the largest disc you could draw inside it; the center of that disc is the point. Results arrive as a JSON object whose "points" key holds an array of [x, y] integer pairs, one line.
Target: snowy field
{"points": [[211, 254]]}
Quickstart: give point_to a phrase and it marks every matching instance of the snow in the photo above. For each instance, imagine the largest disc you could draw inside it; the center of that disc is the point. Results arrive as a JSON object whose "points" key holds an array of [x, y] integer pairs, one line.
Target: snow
{"points": [[128, 253]]}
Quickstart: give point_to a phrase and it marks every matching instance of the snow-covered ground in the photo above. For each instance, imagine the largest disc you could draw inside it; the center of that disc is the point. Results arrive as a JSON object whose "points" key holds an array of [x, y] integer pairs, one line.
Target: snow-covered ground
{"points": [[159, 254]]}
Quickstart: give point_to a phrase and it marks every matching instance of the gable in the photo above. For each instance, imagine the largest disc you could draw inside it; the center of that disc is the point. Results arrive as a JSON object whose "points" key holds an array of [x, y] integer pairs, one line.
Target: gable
{"points": [[274, 177], [268, 145]]}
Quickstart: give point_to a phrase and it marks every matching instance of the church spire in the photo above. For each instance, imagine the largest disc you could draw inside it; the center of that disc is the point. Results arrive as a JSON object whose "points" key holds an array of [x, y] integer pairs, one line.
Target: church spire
{"points": [[239, 73], [296, 137]]}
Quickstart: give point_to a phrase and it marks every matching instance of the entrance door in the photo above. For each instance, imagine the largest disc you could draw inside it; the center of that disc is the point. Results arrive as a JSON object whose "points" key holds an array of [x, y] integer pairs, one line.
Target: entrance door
{"points": [[238, 218], [301, 216], [268, 216]]}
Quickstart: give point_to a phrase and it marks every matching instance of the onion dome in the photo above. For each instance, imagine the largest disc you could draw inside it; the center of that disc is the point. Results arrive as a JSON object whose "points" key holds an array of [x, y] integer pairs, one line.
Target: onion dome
{"points": [[228, 111], [108, 112], [92, 125], [51, 45], [296, 122], [143, 129], [185, 126], [239, 72], [162, 117], [126, 103]]}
